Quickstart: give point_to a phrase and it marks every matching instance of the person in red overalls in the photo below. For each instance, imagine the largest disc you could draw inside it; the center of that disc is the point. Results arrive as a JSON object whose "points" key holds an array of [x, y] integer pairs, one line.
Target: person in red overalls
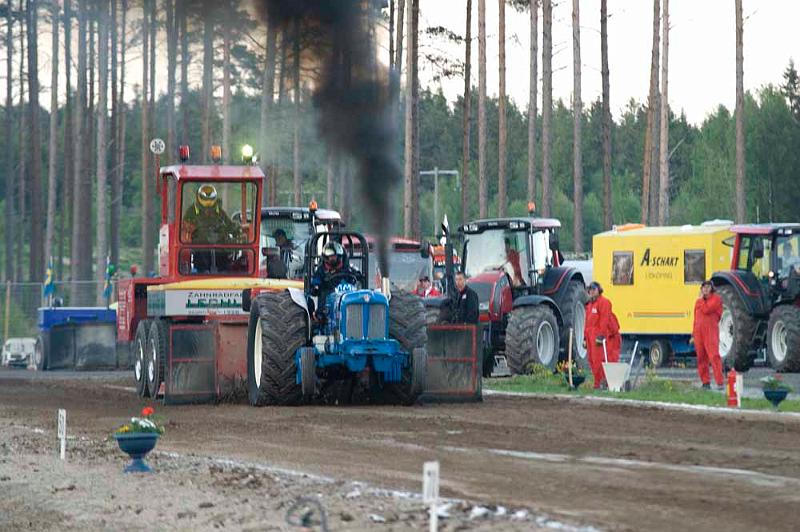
{"points": [[601, 324], [705, 333]]}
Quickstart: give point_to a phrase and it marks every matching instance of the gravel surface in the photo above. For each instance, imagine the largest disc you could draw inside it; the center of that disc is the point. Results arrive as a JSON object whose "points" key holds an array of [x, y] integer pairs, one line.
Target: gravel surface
{"points": [[508, 463]]}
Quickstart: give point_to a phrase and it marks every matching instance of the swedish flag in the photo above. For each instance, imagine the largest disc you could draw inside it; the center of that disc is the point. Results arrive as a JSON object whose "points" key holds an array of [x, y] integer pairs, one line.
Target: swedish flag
{"points": [[49, 280]]}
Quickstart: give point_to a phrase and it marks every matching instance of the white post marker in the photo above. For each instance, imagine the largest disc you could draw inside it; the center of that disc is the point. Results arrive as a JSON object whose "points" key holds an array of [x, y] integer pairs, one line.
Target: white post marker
{"points": [[157, 146], [430, 491], [62, 431]]}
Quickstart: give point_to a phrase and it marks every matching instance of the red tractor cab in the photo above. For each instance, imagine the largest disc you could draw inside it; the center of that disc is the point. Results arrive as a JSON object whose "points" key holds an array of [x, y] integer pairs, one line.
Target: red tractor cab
{"points": [[761, 297], [528, 298], [409, 260], [185, 329]]}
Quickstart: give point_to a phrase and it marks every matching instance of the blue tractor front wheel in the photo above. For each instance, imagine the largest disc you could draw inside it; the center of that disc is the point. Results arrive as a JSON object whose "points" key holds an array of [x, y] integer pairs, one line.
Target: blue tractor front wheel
{"points": [[308, 372]]}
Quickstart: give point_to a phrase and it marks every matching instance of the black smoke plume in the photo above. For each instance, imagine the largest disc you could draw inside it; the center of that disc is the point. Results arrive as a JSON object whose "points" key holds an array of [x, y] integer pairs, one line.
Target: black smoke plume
{"points": [[353, 94]]}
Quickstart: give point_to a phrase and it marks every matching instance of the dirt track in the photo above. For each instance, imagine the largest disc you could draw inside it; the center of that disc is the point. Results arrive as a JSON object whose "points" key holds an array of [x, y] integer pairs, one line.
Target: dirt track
{"points": [[604, 466]]}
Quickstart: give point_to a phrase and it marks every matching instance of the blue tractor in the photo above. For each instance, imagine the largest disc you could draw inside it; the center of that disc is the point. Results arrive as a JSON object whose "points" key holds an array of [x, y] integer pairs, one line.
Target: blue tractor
{"points": [[336, 339]]}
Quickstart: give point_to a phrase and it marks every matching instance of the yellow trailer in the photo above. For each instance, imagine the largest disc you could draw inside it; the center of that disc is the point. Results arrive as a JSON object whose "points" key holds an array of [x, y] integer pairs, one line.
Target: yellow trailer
{"points": [[652, 276]]}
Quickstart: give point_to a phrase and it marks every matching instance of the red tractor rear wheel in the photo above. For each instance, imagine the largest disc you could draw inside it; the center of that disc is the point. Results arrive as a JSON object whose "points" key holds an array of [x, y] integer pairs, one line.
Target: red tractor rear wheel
{"points": [[736, 330]]}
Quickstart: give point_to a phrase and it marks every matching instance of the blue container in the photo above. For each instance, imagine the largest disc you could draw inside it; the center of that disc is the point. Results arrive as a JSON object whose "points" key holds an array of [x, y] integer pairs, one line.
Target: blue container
{"points": [[137, 445], [50, 317]]}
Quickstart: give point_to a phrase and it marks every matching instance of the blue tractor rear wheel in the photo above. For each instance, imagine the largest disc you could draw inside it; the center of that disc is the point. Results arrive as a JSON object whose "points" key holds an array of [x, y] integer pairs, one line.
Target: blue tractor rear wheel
{"points": [[407, 325]]}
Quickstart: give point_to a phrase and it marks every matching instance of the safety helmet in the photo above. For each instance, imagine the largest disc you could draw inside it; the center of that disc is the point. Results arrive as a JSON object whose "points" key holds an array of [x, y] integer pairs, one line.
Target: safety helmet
{"points": [[332, 250], [207, 196]]}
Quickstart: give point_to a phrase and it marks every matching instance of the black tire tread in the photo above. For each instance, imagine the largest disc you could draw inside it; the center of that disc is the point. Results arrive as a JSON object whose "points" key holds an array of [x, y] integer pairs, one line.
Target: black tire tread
{"points": [[791, 318], [574, 293], [740, 357], [521, 337], [284, 328], [142, 329], [161, 329], [407, 325]]}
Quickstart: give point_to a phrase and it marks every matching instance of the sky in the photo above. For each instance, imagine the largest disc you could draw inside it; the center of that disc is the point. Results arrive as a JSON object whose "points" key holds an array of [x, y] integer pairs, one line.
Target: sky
{"points": [[702, 54]]}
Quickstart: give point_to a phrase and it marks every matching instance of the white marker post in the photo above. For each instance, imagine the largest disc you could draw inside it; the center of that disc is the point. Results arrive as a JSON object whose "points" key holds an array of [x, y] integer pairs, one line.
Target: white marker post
{"points": [[62, 431], [430, 491]]}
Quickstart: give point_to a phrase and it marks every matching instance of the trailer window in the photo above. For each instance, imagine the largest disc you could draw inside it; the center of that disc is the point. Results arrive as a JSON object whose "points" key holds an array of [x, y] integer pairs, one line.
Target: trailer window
{"points": [[694, 266], [622, 268]]}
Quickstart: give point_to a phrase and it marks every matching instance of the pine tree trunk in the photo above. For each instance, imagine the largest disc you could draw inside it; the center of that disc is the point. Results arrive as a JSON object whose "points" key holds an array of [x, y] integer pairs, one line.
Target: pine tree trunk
{"points": [[182, 17], [52, 151], [651, 111], [8, 248], [409, 206], [398, 47], [81, 256], [483, 200], [208, 80], [23, 130], [119, 176], [36, 263], [147, 178], [227, 154], [296, 184], [533, 87], [465, 124], [267, 98], [502, 200], [102, 144], [115, 199], [547, 105], [608, 219], [413, 55], [90, 160], [66, 204], [577, 112], [663, 145], [172, 61], [741, 212]]}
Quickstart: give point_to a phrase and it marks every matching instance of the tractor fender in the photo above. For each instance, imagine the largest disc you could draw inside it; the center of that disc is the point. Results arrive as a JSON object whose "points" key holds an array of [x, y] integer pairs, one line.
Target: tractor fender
{"points": [[532, 301], [299, 298], [747, 288], [556, 281]]}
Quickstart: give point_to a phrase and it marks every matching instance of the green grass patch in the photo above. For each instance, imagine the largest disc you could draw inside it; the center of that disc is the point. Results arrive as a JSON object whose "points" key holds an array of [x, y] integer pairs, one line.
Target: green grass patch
{"points": [[650, 388]]}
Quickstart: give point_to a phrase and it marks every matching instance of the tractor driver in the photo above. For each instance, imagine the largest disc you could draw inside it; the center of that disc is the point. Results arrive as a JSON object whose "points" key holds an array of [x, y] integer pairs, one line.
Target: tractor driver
{"points": [[333, 262], [205, 222]]}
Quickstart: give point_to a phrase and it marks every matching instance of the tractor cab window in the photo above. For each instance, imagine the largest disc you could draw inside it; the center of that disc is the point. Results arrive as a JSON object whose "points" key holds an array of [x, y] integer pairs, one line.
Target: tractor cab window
{"points": [[217, 213], [285, 238], [405, 268], [542, 254], [216, 261], [755, 254], [499, 249], [788, 255]]}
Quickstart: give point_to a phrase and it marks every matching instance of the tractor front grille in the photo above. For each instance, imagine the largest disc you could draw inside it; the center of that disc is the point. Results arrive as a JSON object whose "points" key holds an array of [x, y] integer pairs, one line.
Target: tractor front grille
{"points": [[354, 324], [377, 322]]}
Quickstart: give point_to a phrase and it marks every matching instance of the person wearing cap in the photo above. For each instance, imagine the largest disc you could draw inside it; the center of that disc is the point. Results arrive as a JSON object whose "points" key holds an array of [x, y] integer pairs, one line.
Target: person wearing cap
{"points": [[205, 222], [601, 328], [705, 334], [282, 240], [425, 288]]}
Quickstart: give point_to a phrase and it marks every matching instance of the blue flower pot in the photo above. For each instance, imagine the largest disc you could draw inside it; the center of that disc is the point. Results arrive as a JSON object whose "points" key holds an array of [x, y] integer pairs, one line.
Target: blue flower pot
{"points": [[577, 380], [775, 396], [137, 445]]}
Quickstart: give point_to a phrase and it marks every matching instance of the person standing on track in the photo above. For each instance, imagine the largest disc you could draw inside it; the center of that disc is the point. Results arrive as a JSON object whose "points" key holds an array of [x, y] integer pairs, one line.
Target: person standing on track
{"points": [[705, 333], [601, 325]]}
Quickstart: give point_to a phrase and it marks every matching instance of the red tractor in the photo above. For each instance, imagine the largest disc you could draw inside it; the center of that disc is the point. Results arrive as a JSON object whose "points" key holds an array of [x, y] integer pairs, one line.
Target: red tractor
{"points": [[186, 327], [528, 298], [761, 297]]}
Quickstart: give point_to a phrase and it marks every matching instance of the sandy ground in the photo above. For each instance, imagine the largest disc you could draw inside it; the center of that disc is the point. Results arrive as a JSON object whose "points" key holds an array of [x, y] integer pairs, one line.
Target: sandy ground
{"points": [[539, 463]]}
